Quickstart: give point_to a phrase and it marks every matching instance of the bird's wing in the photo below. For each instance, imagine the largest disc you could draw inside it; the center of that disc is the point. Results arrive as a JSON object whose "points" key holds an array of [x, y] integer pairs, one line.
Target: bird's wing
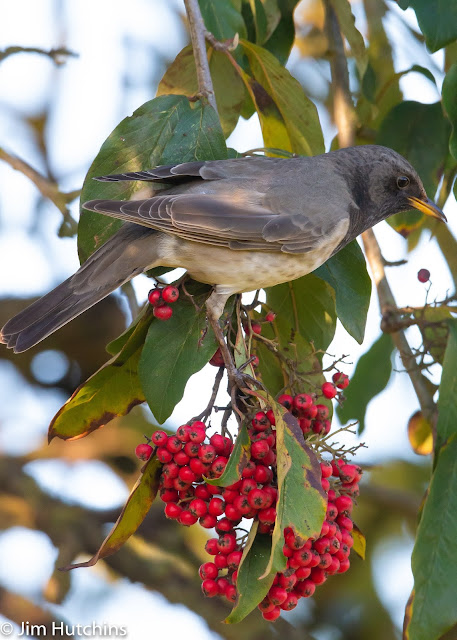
{"points": [[251, 203]]}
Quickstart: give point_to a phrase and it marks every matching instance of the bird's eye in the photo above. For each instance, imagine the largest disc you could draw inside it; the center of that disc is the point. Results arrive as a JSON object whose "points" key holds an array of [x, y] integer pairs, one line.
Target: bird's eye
{"points": [[402, 182]]}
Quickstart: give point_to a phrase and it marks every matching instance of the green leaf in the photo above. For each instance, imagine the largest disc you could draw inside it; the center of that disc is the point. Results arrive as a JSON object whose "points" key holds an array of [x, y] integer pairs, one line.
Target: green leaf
{"points": [[116, 345], [111, 392], [370, 377], [223, 19], [282, 39], [164, 130], [450, 105], [302, 502], [264, 16], [409, 128], [181, 78], [351, 33], [308, 305], [437, 20], [434, 561], [132, 515], [252, 590], [172, 353], [447, 401], [346, 272], [238, 459], [288, 118]]}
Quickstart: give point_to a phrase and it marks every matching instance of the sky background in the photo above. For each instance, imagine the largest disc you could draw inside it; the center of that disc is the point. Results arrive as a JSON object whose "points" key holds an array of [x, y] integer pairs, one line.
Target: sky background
{"points": [[121, 57]]}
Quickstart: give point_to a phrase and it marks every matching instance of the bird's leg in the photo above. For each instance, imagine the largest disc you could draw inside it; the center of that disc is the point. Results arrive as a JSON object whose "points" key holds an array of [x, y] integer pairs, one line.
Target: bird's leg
{"points": [[215, 306]]}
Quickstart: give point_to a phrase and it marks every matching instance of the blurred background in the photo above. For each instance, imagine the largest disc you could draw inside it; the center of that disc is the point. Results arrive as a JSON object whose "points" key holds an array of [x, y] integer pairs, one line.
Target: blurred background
{"points": [[88, 65]]}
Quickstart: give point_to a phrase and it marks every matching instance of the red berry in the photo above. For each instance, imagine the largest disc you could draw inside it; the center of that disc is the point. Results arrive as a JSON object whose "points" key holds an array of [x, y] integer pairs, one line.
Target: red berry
{"points": [[210, 588], [233, 513], [344, 565], [181, 458], [286, 401], [198, 507], [163, 313], [270, 317], [197, 434], [230, 593], [322, 411], [224, 525], [257, 499], [267, 516], [222, 585], [341, 380], [263, 474], [272, 615], [174, 444], [326, 469], [234, 559], [197, 466], [266, 605], [187, 475], [208, 570], [344, 504], [290, 602], [218, 466], [226, 543], [191, 449], [207, 453], [216, 507], [208, 521], [217, 360], [302, 401], [143, 451], [423, 275], [259, 449], [344, 522], [211, 546], [318, 575], [329, 390], [159, 438], [348, 472], [170, 294], [271, 416], [303, 572], [218, 442], [277, 595], [220, 560], [260, 421], [164, 455], [307, 588], [187, 518], [155, 297], [172, 510]]}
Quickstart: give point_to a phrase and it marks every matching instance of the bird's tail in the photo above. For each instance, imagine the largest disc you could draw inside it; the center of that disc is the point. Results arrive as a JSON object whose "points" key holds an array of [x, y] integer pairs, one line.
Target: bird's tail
{"points": [[127, 253]]}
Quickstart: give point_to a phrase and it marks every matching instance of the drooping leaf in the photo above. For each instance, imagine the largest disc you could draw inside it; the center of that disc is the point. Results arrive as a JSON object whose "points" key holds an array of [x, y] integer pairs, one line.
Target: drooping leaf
{"points": [[308, 305], [370, 377], [447, 401], [346, 21], [302, 502], [437, 20], [346, 272], [450, 105], [181, 78], [172, 353], [132, 514], [409, 128], [434, 561], [112, 391], [252, 590], [237, 461], [166, 129], [288, 118], [281, 40], [223, 19], [263, 17], [360, 543], [420, 434]]}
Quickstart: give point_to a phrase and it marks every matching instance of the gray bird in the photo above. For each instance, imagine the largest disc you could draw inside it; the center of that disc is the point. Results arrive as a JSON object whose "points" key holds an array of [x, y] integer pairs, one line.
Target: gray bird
{"points": [[239, 225]]}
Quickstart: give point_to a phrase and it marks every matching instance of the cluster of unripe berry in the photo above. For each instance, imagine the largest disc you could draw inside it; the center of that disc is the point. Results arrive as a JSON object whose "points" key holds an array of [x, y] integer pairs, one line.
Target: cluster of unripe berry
{"points": [[312, 416], [161, 298]]}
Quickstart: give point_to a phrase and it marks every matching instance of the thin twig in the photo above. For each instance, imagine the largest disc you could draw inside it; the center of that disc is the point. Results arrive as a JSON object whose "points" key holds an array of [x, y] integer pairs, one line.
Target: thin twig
{"points": [[209, 407], [56, 55], [48, 188], [197, 34]]}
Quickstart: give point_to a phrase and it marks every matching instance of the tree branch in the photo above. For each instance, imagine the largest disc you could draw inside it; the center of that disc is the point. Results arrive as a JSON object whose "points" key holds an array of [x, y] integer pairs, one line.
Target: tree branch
{"points": [[197, 34], [389, 307], [46, 187], [56, 55], [343, 108]]}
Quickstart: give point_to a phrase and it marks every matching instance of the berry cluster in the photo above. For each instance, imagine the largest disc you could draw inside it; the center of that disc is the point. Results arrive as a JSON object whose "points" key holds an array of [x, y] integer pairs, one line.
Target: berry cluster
{"points": [[310, 562], [313, 417], [161, 299], [189, 457]]}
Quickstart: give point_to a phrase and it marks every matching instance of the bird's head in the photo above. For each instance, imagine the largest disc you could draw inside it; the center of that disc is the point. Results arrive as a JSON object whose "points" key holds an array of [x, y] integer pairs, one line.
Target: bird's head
{"points": [[391, 184]]}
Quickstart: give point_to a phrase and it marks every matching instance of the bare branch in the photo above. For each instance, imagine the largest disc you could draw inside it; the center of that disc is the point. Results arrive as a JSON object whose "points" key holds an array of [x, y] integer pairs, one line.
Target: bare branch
{"points": [[48, 188], [57, 55], [197, 34]]}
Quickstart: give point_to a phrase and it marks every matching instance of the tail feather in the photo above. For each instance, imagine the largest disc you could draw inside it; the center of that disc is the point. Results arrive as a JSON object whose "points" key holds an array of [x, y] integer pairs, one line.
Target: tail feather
{"points": [[132, 250]]}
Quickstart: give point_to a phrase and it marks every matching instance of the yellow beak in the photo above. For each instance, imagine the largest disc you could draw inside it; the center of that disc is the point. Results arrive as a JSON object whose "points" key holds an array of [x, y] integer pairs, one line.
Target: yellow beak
{"points": [[428, 207]]}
